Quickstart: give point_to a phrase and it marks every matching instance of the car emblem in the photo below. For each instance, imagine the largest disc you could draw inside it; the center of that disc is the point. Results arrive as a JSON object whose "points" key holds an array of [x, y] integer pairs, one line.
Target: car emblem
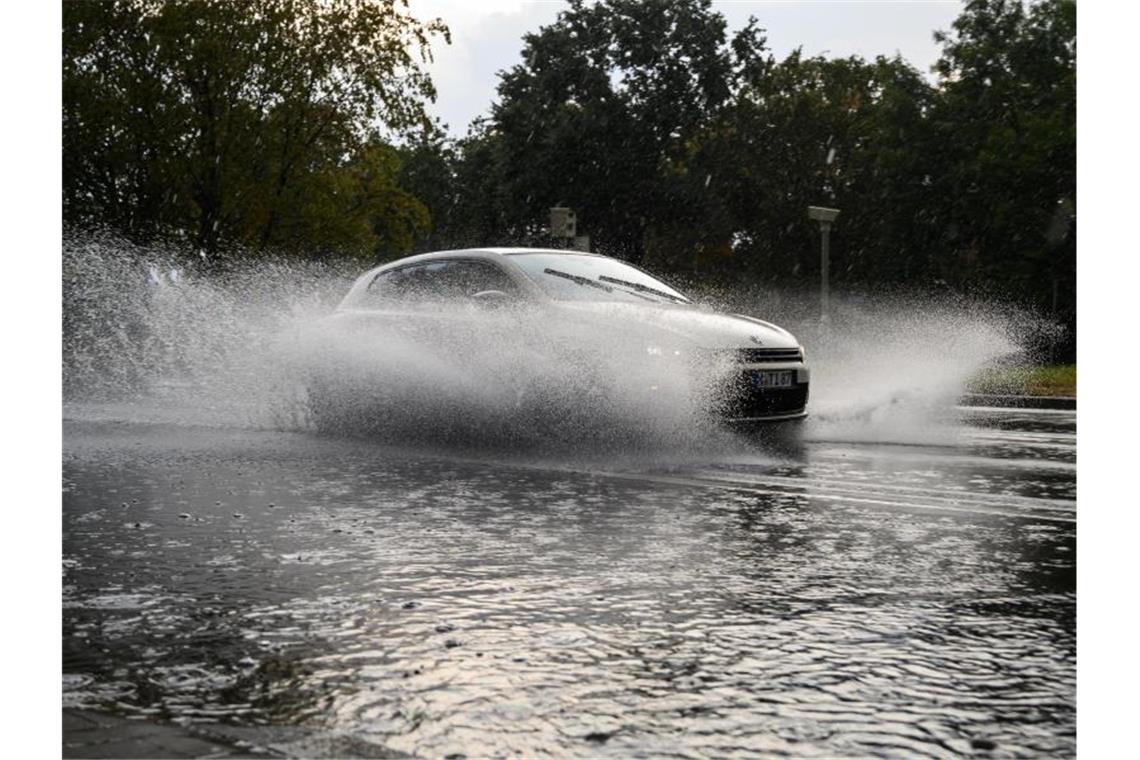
{"points": [[756, 340]]}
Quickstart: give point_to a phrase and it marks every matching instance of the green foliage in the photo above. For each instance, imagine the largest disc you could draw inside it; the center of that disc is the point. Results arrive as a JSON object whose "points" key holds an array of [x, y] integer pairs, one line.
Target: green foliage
{"points": [[1048, 380], [698, 153], [1005, 124], [301, 125], [815, 131], [256, 123], [600, 111]]}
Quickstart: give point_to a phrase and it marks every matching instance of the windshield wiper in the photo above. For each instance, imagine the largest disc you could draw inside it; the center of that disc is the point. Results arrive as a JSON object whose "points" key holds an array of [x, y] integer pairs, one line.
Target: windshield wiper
{"points": [[578, 279], [643, 288]]}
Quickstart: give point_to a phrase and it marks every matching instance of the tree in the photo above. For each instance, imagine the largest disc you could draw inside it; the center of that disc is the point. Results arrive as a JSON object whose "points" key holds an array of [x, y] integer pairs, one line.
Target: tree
{"points": [[1006, 121], [602, 105], [216, 122], [694, 151], [843, 132], [301, 124]]}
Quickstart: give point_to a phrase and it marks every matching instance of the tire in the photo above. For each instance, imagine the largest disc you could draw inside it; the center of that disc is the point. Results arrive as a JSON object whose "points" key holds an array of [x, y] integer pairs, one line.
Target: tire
{"points": [[326, 407], [784, 437]]}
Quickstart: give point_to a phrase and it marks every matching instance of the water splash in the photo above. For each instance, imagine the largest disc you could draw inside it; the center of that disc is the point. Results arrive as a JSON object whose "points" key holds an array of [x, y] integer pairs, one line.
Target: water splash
{"points": [[151, 338], [893, 367], [894, 371], [511, 375], [152, 334]]}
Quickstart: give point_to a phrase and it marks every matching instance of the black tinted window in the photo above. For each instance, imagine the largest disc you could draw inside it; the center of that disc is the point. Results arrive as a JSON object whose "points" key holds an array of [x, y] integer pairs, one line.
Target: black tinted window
{"points": [[466, 278], [418, 282], [435, 281]]}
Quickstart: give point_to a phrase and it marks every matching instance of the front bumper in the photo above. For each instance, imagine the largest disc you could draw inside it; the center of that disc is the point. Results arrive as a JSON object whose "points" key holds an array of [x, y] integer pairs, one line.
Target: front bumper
{"points": [[743, 403], [743, 421]]}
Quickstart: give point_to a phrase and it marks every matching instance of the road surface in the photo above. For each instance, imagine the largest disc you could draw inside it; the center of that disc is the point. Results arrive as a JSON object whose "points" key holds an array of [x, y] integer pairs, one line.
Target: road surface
{"points": [[844, 596]]}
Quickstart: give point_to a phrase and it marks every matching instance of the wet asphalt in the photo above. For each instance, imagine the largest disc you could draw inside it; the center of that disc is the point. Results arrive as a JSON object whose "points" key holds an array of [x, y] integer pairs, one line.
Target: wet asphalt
{"points": [[838, 595]]}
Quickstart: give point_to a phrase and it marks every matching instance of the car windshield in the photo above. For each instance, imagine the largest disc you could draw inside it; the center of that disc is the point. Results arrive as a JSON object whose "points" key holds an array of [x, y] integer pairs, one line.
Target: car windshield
{"points": [[582, 277]]}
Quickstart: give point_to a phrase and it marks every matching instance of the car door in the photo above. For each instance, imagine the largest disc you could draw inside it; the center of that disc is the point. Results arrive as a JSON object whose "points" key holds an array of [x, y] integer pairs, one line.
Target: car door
{"points": [[466, 326], [427, 310]]}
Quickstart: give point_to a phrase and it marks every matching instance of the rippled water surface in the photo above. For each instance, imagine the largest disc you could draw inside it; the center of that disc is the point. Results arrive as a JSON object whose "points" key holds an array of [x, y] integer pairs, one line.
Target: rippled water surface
{"points": [[840, 598]]}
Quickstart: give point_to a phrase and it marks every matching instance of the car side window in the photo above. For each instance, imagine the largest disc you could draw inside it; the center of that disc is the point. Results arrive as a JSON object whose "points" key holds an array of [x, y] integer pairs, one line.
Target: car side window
{"points": [[410, 284], [438, 281], [466, 278]]}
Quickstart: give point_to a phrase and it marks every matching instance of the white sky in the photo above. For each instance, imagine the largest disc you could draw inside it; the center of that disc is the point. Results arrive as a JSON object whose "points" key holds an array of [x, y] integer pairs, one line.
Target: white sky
{"points": [[486, 37]]}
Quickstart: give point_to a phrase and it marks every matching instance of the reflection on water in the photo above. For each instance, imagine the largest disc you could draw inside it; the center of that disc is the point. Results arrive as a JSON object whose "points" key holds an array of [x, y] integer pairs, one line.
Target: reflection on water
{"points": [[440, 606]]}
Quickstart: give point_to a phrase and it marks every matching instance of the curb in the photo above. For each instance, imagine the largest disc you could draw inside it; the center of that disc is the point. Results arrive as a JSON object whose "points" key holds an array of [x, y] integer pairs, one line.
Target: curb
{"points": [[1019, 402]]}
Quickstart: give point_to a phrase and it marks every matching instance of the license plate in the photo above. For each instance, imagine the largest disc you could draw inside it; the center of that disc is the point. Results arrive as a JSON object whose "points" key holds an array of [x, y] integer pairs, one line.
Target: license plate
{"points": [[780, 379]]}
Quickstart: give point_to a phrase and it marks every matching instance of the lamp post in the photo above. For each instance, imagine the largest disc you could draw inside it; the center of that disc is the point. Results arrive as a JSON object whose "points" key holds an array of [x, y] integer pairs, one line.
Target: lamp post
{"points": [[825, 216]]}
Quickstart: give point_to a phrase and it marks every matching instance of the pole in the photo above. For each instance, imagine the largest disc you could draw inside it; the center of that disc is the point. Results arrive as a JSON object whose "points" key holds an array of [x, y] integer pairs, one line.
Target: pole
{"points": [[824, 265], [825, 216]]}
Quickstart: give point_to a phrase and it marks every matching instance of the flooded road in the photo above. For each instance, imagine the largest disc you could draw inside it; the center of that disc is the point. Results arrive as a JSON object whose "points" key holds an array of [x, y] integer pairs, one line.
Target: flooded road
{"points": [[840, 597]]}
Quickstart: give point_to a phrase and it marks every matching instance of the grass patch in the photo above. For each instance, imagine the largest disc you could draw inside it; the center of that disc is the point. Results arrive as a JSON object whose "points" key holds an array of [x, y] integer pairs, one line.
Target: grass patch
{"points": [[1051, 380]]}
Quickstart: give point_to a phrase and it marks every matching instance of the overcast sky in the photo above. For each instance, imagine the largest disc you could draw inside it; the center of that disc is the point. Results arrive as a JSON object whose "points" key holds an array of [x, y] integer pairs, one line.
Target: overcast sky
{"points": [[486, 37]]}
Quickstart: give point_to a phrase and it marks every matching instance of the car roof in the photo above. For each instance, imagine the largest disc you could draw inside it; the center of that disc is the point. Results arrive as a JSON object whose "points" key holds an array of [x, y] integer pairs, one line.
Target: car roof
{"points": [[503, 251], [484, 253], [488, 253], [560, 251]]}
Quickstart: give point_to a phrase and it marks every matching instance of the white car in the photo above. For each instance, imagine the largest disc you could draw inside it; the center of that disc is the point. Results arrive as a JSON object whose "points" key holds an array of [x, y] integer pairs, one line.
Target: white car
{"points": [[566, 327]]}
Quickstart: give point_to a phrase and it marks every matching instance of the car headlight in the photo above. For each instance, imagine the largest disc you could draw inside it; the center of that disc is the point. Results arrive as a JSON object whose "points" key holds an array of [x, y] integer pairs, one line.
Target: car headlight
{"points": [[803, 354], [659, 351]]}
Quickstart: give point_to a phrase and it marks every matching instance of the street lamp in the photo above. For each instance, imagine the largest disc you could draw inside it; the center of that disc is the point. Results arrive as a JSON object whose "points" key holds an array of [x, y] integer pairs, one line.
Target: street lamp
{"points": [[825, 216]]}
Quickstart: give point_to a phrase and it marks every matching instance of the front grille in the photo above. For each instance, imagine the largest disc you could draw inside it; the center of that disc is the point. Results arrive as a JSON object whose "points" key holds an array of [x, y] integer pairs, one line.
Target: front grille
{"points": [[729, 356], [742, 400], [758, 355]]}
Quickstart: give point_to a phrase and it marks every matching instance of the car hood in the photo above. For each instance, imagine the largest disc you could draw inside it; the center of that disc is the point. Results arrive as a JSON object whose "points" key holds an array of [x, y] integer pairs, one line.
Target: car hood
{"points": [[686, 325]]}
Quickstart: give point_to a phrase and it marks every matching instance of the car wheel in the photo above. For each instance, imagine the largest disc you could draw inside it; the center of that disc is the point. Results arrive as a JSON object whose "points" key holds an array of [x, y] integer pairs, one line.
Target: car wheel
{"points": [[785, 437], [326, 406]]}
